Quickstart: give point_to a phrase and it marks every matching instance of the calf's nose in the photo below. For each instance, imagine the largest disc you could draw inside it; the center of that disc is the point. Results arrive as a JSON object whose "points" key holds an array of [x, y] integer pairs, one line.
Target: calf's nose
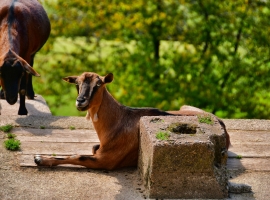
{"points": [[80, 100]]}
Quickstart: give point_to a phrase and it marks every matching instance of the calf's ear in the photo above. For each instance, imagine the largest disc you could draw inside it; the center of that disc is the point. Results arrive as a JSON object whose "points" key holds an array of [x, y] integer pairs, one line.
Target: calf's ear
{"points": [[70, 79], [108, 78], [17, 59], [29, 69]]}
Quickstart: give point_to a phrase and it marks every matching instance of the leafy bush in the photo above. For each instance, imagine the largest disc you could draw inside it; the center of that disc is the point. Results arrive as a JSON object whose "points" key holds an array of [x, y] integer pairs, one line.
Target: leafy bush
{"points": [[210, 54], [12, 144]]}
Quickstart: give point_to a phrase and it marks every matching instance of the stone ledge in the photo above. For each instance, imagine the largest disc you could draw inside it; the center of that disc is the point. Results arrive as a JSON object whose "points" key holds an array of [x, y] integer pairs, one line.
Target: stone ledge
{"points": [[37, 107], [247, 124], [50, 122]]}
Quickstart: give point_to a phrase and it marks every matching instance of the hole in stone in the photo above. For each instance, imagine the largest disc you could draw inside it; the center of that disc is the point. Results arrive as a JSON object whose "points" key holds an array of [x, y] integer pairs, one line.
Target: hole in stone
{"points": [[183, 128]]}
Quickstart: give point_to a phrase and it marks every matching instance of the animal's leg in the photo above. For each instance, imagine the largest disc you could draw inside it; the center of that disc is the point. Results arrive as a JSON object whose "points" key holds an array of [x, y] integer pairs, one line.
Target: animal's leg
{"points": [[2, 94], [95, 148], [29, 86], [0, 99], [30, 91], [92, 161], [22, 108]]}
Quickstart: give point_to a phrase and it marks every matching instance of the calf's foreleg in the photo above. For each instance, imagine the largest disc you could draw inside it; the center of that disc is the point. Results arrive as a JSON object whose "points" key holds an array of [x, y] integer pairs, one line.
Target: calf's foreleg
{"points": [[22, 91], [29, 86], [91, 161]]}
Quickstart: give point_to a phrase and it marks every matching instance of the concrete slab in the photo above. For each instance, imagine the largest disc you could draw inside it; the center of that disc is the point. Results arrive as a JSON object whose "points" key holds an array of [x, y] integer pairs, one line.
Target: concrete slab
{"points": [[247, 124], [74, 183], [50, 122], [37, 107]]}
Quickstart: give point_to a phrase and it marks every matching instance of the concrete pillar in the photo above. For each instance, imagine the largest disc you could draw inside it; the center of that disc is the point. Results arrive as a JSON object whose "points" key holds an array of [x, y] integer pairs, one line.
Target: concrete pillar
{"points": [[190, 163]]}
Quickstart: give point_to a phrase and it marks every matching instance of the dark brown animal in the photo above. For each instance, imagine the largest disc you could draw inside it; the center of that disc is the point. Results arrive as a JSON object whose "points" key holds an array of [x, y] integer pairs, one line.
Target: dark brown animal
{"points": [[24, 28], [117, 126]]}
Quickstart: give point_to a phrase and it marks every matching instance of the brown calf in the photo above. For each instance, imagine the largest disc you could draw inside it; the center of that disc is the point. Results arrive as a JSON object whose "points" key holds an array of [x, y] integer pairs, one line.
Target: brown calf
{"points": [[117, 126], [24, 28]]}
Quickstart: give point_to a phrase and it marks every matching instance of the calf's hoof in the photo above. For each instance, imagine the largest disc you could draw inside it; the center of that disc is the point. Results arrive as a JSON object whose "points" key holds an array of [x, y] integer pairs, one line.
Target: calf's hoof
{"points": [[45, 160], [22, 111], [38, 159]]}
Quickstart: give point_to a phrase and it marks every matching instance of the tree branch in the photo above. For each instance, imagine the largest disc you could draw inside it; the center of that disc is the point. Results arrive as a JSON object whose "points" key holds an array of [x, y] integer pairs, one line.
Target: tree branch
{"points": [[208, 36]]}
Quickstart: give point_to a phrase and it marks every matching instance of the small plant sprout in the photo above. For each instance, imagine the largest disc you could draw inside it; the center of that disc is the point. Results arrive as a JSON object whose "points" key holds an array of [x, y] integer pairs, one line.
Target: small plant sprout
{"points": [[72, 127], [156, 120], [11, 135], [53, 154], [12, 144], [42, 127], [207, 119], [239, 157], [6, 128], [162, 135]]}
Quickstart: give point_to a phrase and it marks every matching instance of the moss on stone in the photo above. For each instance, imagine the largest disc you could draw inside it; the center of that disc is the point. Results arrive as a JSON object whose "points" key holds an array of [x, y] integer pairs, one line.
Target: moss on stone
{"points": [[162, 135]]}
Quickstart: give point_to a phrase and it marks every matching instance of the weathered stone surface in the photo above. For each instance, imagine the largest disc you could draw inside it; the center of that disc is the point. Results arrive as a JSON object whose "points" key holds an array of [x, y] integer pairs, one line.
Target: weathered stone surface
{"points": [[189, 165], [35, 107]]}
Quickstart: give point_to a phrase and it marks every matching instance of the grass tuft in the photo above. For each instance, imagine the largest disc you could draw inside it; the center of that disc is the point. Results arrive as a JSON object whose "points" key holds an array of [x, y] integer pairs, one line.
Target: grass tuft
{"points": [[12, 144], [239, 157], [207, 119], [162, 135], [6, 128], [11, 135]]}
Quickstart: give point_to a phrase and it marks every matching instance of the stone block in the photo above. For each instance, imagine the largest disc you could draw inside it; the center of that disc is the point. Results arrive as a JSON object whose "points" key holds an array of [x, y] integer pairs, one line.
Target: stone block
{"points": [[190, 163]]}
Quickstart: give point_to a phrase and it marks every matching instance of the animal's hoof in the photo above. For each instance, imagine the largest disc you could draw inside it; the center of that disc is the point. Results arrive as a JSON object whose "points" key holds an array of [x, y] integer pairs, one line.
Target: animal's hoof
{"points": [[22, 111], [38, 159], [31, 97]]}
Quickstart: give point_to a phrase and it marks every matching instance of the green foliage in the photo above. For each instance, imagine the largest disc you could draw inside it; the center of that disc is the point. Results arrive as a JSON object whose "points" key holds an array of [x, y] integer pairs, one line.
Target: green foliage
{"points": [[206, 119], [210, 54], [72, 128], [6, 128], [162, 135], [42, 127], [12, 144], [239, 157], [11, 135]]}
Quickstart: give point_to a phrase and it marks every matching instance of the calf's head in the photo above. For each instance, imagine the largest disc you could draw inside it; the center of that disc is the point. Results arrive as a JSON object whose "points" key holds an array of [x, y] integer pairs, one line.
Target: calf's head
{"points": [[90, 87], [12, 69]]}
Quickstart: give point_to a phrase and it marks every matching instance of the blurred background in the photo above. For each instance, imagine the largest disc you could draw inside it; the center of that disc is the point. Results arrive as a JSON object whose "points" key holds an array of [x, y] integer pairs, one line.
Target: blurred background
{"points": [[211, 54]]}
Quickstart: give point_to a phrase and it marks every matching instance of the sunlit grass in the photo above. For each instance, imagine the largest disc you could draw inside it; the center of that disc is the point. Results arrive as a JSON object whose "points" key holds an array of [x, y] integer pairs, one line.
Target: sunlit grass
{"points": [[6, 128]]}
